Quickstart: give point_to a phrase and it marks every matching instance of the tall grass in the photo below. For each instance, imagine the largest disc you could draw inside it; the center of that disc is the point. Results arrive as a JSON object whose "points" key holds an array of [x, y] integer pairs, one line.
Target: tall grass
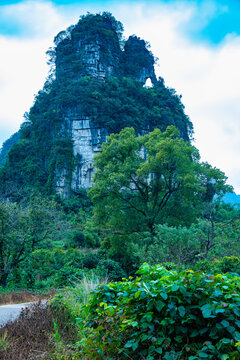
{"points": [[83, 289]]}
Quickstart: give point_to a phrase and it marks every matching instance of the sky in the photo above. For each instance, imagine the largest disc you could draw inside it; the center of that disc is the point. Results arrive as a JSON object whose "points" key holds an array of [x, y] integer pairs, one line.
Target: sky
{"points": [[197, 43]]}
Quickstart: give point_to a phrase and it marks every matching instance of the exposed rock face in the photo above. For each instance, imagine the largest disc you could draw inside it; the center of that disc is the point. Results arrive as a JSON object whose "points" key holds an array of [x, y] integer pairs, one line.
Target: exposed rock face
{"points": [[90, 55], [87, 140], [87, 143], [94, 61]]}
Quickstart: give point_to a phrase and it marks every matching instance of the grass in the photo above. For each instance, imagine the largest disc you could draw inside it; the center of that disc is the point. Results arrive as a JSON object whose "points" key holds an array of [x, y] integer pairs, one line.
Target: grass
{"points": [[28, 337], [82, 289]]}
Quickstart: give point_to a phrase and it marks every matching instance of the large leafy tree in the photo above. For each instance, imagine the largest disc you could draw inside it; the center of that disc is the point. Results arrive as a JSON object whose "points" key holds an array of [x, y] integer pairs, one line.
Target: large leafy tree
{"points": [[148, 180]]}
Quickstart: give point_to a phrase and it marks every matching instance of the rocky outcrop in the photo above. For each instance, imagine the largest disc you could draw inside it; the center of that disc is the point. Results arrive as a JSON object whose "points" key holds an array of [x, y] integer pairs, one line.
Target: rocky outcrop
{"points": [[87, 141], [98, 53], [138, 60]]}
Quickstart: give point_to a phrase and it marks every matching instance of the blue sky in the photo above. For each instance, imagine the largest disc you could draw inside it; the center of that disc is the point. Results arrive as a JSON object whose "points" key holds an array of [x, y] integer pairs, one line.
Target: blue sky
{"points": [[197, 43]]}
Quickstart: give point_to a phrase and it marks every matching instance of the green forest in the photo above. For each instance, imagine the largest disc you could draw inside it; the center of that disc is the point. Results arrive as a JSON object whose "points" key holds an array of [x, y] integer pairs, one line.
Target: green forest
{"points": [[143, 265]]}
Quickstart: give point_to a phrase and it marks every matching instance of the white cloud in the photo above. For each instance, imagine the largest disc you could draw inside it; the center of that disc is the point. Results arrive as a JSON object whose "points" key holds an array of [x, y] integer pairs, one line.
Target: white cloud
{"points": [[23, 67], [34, 18], [207, 77]]}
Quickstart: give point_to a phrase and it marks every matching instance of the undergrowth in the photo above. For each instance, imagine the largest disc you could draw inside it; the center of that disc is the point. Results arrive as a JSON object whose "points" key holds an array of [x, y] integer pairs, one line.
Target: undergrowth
{"points": [[163, 314]]}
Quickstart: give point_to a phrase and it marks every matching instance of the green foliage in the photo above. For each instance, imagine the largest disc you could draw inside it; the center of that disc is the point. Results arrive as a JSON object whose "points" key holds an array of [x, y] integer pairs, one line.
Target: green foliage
{"points": [[170, 244], [120, 102], [76, 238], [129, 187], [102, 29], [111, 269], [64, 317], [218, 230], [91, 260], [148, 190], [7, 145], [113, 104], [67, 305], [23, 230], [136, 56], [186, 314], [4, 343], [67, 276], [228, 264]]}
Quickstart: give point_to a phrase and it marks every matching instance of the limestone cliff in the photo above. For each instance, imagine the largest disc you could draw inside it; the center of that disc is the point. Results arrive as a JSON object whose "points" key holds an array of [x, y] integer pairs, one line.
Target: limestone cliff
{"points": [[96, 88]]}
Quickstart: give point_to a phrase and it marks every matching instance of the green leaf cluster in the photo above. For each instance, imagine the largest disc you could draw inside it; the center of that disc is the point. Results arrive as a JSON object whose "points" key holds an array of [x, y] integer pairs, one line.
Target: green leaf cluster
{"points": [[164, 314]]}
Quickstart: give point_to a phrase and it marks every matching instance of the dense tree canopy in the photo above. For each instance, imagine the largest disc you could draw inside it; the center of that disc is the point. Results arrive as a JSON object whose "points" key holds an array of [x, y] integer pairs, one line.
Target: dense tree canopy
{"points": [[144, 181]]}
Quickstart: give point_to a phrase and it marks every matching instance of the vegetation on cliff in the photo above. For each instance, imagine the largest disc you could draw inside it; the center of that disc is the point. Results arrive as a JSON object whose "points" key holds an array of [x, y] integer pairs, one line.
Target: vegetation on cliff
{"points": [[45, 145]]}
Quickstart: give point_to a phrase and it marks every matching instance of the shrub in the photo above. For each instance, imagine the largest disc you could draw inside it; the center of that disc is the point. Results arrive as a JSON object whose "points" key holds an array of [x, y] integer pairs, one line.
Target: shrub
{"points": [[91, 260], [112, 269], [230, 264], [91, 240], [179, 245], [64, 317], [75, 238], [164, 314]]}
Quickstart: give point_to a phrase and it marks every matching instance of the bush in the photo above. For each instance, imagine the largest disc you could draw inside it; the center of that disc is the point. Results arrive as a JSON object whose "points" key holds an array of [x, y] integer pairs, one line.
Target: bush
{"points": [[230, 264], [78, 238], [164, 314], [91, 240], [75, 238], [178, 245]]}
